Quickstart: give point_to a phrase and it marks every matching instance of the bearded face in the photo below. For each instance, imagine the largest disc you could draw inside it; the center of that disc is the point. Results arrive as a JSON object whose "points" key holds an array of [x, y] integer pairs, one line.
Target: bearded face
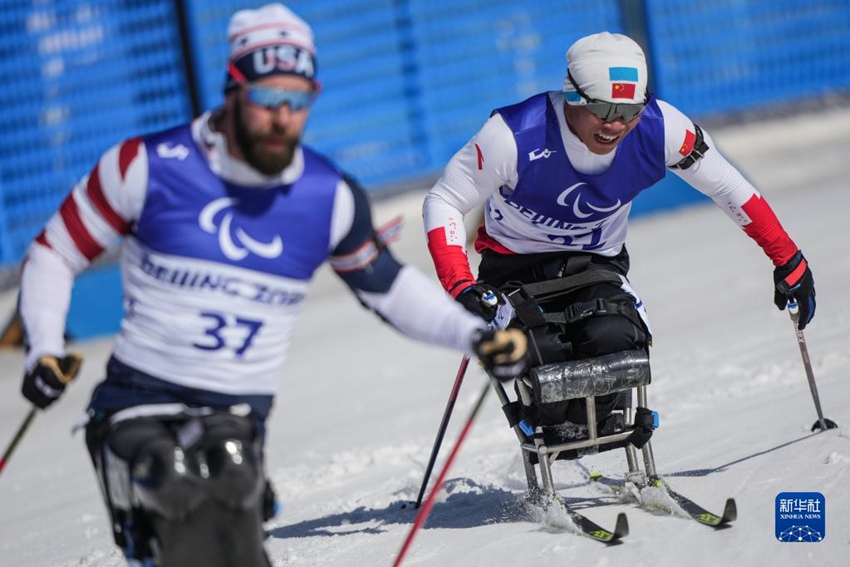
{"points": [[269, 147], [265, 128]]}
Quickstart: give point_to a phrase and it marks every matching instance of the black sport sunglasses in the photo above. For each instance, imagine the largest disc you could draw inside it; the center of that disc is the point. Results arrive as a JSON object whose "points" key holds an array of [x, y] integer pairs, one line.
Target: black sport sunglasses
{"points": [[609, 111]]}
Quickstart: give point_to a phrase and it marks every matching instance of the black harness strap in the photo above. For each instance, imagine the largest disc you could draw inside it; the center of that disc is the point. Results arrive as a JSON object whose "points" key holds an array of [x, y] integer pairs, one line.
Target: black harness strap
{"points": [[526, 299], [553, 288], [600, 306], [526, 308]]}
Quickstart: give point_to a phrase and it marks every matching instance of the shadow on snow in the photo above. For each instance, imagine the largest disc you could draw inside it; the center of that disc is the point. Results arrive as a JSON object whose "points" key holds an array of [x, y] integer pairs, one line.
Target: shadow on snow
{"points": [[463, 503]]}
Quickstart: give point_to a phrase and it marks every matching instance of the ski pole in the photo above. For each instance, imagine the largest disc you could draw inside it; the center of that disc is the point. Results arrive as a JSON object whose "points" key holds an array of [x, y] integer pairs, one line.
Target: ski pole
{"points": [[17, 438], [447, 413], [429, 503], [822, 423]]}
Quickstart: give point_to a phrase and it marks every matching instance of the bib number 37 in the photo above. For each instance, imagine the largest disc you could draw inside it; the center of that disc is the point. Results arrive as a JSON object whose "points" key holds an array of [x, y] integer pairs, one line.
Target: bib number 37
{"points": [[228, 332]]}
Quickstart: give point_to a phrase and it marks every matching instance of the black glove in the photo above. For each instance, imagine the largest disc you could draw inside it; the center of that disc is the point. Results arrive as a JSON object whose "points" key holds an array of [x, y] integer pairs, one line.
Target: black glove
{"points": [[482, 300], [46, 382], [794, 282], [503, 353]]}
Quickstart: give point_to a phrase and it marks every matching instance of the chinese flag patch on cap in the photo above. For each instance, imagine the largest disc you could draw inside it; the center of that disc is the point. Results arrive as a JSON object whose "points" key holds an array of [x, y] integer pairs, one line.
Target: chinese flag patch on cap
{"points": [[622, 90]]}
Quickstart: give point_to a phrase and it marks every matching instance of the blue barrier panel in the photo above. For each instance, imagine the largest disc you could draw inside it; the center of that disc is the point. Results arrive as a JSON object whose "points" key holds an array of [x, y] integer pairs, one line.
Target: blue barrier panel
{"points": [[362, 119], [716, 56], [473, 56], [84, 75], [96, 304]]}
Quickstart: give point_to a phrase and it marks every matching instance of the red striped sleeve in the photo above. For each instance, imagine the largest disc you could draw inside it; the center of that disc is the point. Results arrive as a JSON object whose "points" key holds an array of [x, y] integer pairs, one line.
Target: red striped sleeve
{"points": [[765, 229], [94, 190], [129, 151], [81, 236], [42, 239]]}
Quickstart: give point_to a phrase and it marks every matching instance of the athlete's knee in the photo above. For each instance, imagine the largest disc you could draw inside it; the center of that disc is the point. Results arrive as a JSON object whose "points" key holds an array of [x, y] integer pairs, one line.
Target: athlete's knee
{"points": [[175, 467], [607, 335], [165, 478], [233, 458]]}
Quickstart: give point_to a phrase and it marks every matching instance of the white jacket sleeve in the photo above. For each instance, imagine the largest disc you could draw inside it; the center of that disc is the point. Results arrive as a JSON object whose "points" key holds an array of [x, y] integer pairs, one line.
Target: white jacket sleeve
{"points": [[100, 209], [418, 308]]}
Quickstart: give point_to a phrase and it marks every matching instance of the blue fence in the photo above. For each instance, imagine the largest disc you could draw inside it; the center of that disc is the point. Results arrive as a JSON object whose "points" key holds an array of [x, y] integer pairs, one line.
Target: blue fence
{"points": [[78, 76], [716, 56], [407, 82]]}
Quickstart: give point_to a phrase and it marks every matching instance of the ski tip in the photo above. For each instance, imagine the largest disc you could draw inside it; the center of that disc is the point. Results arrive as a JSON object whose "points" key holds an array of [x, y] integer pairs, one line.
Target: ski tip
{"points": [[621, 529], [730, 511]]}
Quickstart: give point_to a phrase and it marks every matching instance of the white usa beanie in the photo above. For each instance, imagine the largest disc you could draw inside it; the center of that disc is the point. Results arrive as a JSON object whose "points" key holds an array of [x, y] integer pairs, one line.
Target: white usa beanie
{"points": [[606, 66], [270, 40]]}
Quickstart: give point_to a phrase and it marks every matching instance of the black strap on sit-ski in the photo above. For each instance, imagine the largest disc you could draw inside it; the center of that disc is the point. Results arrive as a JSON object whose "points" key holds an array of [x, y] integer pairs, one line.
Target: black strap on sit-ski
{"points": [[526, 309], [599, 306], [549, 289], [525, 299]]}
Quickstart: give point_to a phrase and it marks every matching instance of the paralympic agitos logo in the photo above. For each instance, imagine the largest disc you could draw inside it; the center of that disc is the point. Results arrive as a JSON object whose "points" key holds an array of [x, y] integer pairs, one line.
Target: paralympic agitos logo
{"points": [[578, 202], [235, 243]]}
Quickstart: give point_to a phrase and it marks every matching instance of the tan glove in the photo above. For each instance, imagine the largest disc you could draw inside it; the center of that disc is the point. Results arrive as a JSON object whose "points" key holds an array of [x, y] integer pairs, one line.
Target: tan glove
{"points": [[503, 353], [45, 383]]}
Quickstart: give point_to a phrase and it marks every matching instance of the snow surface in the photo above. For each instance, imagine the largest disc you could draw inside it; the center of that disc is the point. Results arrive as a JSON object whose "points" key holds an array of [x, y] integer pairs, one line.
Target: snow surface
{"points": [[360, 405]]}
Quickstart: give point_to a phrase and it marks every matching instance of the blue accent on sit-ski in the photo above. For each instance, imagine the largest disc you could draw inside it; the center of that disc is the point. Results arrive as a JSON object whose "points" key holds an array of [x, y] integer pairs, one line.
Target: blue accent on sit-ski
{"points": [[526, 428], [656, 420]]}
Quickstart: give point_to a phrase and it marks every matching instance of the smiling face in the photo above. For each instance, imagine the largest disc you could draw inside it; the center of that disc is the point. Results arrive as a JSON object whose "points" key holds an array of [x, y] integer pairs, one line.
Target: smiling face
{"points": [[599, 136]]}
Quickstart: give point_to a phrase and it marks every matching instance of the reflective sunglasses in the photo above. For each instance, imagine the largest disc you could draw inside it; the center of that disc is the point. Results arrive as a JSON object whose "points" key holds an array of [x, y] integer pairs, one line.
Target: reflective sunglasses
{"points": [[272, 99], [607, 111]]}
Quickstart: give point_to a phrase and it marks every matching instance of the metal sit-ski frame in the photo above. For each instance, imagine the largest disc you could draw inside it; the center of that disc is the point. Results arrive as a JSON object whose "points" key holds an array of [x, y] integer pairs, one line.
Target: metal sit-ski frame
{"points": [[621, 372]]}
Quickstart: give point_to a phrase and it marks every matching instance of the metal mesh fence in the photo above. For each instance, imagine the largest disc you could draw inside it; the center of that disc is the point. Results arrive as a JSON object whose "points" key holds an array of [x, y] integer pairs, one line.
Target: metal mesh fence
{"points": [[79, 76], [407, 82]]}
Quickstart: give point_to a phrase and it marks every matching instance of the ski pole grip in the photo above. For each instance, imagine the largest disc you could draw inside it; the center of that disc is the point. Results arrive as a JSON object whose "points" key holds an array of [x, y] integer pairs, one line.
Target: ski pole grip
{"points": [[793, 310]]}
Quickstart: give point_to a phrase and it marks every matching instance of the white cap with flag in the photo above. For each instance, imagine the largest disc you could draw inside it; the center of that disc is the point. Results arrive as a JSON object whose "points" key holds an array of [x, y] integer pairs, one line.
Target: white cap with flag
{"points": [[606, 66]]}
